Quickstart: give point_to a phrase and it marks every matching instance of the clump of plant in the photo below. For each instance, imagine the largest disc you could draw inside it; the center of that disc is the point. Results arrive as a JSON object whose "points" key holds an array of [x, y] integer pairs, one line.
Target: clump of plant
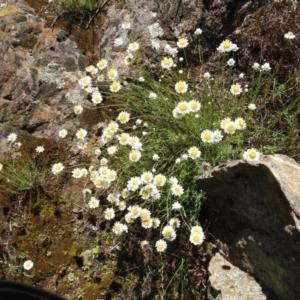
{"points": [[82, 5], [168, 130]]}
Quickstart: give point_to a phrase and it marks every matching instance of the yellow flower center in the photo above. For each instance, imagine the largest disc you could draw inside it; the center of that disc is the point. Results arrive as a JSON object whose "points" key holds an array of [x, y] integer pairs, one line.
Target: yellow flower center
{"points": [[181, 86], [227, 44], [241, 123], [182, 42], [205, 167], [252, 154], [101, 63], [145, 193], [231, 128], [134, 155], [182, 106], [160, 246], [159, 180], [114, 85], [207, 136], [123, 117], [290, 33], [124, 194], [236, 88], [98, 181], [194, 105], [117, 228], [135, 182], [134, 45], [196, 238], [123, 138], [177, 190], [135, 211], [194, 152], [111, 73], [167, 61]]}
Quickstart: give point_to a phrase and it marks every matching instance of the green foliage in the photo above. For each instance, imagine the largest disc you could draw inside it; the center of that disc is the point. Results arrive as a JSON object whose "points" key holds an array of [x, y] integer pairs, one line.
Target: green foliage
{"points": [[85, 5], [21, 176]]}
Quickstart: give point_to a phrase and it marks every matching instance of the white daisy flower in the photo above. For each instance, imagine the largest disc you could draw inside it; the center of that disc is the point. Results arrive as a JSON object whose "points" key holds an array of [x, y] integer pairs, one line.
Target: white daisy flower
{"points": [[161, 245], [169, 233], [196, 238], [81, 133], [198, 31], [240, 123], [135, 155], [194, 106], [115, 87], [289, 35], [78, 109], [227, 46], [252, 106], [109, 213], [159, 180], [207, 136], [182, 43], [236, 89], [176, 206], [251, 155], [174, 222], [167, 63], [62, 133], [132, 47], [194, 152], [266, 67], [206, 75], [126, 25], [27, 265], [102, 64], [12, 137], [93, 203], [57, 168], [181, 87], [256, 66], [231, 62], [177, 190], [123, 117], [118, 42], [97, 98], [77, 173], [39, 149], [152, 95]]}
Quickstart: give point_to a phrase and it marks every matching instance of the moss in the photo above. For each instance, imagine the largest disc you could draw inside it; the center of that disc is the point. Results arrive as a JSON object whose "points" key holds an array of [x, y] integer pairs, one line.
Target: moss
{"points": [[37, 30], [90, 117], [3, 113], [29, 41], [75, 249], [2, 24], [83, 62], [7, 128], [70, 64], [20, 18], [8, 9]]}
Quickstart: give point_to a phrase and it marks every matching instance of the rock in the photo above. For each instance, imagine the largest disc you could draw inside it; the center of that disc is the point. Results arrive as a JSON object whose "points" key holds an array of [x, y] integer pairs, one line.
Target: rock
{"points": [[227, 282], [38, 75], [254, 210]]}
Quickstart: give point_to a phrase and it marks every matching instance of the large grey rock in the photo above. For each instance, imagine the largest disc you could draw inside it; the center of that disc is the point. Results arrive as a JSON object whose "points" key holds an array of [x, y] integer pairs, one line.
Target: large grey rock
{"points": [[254, 210], [227, 282]]}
